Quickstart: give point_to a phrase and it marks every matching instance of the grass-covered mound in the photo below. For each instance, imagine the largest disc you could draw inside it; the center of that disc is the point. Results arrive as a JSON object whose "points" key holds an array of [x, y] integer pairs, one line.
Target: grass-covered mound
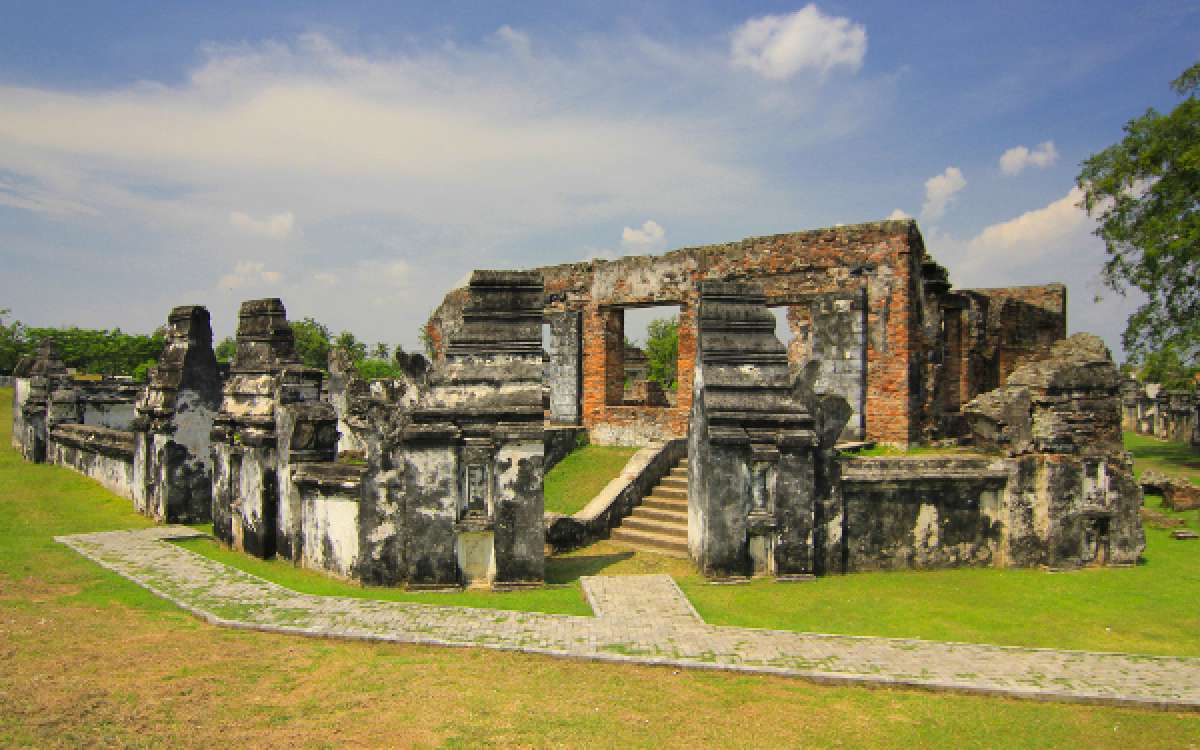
{"points": [[579, 477]]}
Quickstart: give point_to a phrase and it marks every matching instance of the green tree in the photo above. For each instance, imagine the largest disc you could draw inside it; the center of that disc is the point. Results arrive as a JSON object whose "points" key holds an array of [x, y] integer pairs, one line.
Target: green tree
{"points": [[381, 351], [12, 342], [312, 343], [226, 349], [1145, 193], [98, 351], [349, 342], [662, 351], [1167, 367]]}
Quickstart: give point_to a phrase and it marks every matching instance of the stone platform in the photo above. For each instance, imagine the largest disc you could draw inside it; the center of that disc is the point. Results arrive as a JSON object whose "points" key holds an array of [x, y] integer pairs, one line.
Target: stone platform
{"points": [[644, 620]]}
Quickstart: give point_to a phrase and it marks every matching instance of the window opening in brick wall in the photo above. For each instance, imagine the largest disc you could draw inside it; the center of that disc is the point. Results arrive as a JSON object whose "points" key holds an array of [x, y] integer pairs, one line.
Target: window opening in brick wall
{"points": [[649, 356], [790, 338]]}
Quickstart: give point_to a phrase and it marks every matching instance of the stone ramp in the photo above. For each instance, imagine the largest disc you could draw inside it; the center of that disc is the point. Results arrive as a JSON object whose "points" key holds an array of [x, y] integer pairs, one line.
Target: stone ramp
{"points": [[647, 620]]}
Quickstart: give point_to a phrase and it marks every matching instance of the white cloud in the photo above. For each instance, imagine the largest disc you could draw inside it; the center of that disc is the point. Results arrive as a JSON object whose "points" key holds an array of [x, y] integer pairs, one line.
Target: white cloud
{"points": [[898, 214], [650, 235], [444, 156], [940, 190], [1027, 234], [249, 273], [778, 47], [518, 41], [1017, 158], [275, 227]]}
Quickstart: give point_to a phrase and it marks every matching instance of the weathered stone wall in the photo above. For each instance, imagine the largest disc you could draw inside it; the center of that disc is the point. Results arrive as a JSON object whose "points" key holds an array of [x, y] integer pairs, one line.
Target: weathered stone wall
{"points": [[97, 452], [1073, 499], [175, 414], [1151, 409], [864, 299], [911, 513], [751, 474], [472, 454]]}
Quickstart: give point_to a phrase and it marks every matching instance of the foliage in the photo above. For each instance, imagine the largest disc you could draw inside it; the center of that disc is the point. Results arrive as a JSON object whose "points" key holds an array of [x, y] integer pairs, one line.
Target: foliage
{"points": [[1145, 192], [312, 343], [98, 351], [373, 368], [349, 342], [662, 351], [226, 348], [12, 341], [1167, 367], [141, 373], [381, 351]]}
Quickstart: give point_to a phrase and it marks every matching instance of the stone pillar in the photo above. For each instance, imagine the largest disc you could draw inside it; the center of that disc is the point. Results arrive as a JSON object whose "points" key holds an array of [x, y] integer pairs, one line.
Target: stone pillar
{"points": [[34, 379], [566, 363], [751, 494], [472, 453], [265, 374], [172, 431]]}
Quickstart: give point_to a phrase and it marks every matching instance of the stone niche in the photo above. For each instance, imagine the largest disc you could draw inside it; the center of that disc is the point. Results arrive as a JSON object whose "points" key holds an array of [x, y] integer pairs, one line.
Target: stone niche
{"points": [[751, 444], [265, 377], [172, 431], [472, 454], [1073, 500]]}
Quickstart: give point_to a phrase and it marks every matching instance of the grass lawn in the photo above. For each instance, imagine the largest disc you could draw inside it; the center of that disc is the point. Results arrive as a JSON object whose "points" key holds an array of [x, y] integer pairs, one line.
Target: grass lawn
{"points": [[579, 477], [1175, 459], [88, 659]]}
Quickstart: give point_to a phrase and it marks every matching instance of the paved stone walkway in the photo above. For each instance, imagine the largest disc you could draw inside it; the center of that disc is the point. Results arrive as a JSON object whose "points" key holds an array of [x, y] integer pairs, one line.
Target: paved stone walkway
{"points": [[643, 619]]}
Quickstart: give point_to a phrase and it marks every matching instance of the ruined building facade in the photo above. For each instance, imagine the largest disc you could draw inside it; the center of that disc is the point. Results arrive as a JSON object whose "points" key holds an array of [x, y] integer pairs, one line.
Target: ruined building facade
{"points": [[435, 478]]}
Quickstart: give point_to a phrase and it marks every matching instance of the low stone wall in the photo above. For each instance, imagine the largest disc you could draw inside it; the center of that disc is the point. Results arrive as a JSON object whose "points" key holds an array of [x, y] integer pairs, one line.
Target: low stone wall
{"points": [[902, 513], [643, 471], [6, 381], [558, 444], [97, 452]]}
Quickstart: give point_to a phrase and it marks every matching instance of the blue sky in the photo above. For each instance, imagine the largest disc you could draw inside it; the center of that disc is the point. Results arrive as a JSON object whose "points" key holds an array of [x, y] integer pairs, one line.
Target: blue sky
{"points": [[358, 160]]}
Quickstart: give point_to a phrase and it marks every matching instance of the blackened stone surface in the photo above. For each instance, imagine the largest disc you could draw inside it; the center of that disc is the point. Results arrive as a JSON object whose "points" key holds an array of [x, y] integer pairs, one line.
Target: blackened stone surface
{"points": [[751, 491]]}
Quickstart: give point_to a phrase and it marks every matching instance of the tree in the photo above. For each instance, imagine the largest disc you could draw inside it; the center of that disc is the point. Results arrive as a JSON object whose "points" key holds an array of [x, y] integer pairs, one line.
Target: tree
{"points": [[1145, 193], [662, 351], [312, 343], [12, 342], [226, 349], [1165, 366], [349, 342], [381, 351]]}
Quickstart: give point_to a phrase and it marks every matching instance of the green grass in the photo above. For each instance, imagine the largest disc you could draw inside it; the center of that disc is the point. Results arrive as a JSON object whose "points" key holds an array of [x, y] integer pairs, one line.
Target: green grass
{"points": [[579, 477], [1175, 459]]}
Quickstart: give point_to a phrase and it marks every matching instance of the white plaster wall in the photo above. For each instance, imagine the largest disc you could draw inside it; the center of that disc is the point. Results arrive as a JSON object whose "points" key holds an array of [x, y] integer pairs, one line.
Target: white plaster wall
{"points": [[116, 475], [112, 416], [20, 396], [330, 528]]}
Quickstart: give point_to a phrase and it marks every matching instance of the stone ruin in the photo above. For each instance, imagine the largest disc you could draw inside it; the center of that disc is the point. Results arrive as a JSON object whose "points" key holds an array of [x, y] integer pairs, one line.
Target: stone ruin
{"points": [[434, 479], [1151, 409]]}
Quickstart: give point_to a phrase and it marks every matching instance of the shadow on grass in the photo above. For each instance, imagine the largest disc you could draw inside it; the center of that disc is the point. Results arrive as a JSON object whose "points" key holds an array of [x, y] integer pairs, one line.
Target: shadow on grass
{"points": [[561, 570]]}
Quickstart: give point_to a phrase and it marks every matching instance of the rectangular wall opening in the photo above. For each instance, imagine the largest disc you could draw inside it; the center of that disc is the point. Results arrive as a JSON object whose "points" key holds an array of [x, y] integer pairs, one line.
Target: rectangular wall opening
{"points": [[643, 359]]}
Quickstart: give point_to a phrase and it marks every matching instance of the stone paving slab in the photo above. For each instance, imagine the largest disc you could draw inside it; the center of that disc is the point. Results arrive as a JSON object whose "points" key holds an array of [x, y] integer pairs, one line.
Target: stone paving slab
{"points": [[641, 619]]}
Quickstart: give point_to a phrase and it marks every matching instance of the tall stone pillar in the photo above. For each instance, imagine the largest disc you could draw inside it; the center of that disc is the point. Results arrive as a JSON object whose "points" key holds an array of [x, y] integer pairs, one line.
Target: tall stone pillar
{"points": [[265, 374], [472, 453], [751, 442], [172, 431], [34, 380]]}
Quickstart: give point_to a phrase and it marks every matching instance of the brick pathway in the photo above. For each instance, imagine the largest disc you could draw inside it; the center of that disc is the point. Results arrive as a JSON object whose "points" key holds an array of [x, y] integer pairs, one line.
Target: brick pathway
{"points": [[642, 619]]}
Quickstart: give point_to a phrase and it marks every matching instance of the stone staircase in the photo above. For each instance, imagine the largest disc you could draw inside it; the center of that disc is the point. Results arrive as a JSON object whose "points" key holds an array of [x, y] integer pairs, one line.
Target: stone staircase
{"points": [[660, 523]]}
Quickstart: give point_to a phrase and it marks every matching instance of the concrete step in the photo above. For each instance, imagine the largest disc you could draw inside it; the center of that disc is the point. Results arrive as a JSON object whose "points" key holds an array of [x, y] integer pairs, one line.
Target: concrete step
{"points": [[673, 482], [679, 472], [679, 492], [665, 503], [671, 515], [669, 529], [651, 542]]}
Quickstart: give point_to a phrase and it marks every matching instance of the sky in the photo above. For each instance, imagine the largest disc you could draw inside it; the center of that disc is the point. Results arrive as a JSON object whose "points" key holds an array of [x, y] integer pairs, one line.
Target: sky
{"points": [[357, 159]]}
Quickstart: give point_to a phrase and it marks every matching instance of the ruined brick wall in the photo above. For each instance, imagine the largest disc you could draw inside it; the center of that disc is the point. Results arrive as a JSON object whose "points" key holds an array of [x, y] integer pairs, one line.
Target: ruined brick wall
{"points": [[864, 301], [1007, 328], [879, 263]]}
